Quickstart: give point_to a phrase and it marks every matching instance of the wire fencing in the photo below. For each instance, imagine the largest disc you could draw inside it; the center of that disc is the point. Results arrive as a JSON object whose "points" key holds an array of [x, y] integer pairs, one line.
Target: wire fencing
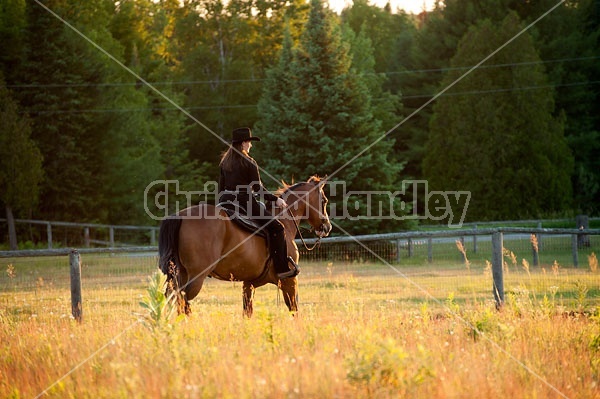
{"points": [[537, 246], [411, 266]]}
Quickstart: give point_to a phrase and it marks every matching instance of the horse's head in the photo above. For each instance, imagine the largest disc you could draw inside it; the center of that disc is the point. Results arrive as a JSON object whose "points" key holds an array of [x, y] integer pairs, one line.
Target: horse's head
{"points": [[307, 201]]}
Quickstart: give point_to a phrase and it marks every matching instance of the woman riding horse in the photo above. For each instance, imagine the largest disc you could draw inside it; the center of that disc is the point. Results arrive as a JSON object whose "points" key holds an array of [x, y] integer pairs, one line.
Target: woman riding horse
{"points": [[203, 241], [240, 183]]}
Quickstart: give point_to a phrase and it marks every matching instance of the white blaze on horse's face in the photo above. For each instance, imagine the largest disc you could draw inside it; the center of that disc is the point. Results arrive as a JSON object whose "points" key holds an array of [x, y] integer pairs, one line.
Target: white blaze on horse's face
{"points": [[325, 225]]}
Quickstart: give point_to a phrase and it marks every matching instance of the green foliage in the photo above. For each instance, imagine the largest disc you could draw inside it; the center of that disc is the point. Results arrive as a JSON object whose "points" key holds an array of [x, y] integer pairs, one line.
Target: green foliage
{"points": [[12, 26], [381, 365], [386, 106], [570, 38], [421, 61], [377, 362], [451, 304], [582, 292], [226, 49], [20, 159], [159, 309], [317, 117], [505, 147], [326, 86], [103, 139]]}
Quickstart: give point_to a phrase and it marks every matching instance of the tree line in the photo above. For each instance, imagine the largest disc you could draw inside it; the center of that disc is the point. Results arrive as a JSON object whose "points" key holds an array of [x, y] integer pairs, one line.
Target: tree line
{"points": [[355, 96]]}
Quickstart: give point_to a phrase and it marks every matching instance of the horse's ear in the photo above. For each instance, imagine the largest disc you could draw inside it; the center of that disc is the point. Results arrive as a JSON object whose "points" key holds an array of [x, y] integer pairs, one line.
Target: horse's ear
{"points": [[321, 181], [317, 180]]}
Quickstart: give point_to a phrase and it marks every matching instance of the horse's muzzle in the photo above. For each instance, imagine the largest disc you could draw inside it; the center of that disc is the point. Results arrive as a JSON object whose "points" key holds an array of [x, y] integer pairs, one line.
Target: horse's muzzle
{"points": [[323, 230]]}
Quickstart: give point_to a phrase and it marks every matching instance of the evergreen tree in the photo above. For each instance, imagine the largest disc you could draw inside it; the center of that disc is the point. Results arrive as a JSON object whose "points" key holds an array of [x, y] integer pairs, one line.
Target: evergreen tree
{"points": [[569, 40], [382, 27], [20, 162], [12, 40], [278, 120], [323, 118], [386, 106], [99, 134], [159, 149], [57, 92], [504, 146], [432, 47], [233, 44]]}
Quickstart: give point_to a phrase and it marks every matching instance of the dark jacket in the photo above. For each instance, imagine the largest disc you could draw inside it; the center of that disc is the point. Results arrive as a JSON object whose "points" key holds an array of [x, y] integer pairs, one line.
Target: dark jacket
{"points": [[245, 178]]}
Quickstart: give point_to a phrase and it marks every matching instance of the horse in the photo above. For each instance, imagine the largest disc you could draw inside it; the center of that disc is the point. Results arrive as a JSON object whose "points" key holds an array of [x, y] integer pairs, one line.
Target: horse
{"points": [[202, 241]]}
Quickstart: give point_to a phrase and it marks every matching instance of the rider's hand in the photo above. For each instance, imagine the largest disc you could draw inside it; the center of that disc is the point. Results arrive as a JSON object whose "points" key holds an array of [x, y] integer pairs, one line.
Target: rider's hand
{"points": [[281, 203]]}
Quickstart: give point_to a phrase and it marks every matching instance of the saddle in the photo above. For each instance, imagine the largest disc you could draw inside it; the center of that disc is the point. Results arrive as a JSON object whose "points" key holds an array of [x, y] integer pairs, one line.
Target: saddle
{"points": [[237, 214]]}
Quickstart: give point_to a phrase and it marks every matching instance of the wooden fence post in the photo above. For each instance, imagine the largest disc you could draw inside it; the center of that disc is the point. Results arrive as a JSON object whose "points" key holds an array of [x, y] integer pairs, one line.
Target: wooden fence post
{"points": [[111, 236], [76, 304], [475, 241], [582, 223], [574, 245], [539, 237], [410, 247], [152, 237], [49, 234], [430, 249], [497, 244], [398, 249], [86, 237]]}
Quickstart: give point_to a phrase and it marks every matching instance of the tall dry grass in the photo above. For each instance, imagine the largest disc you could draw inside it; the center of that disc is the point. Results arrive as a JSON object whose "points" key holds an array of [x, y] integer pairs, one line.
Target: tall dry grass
{"points": [[356, 336]]}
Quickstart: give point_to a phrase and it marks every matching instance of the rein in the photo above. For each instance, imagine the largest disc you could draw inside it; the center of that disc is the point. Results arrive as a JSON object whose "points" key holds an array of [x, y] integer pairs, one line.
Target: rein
{"points": [[317, 243]]}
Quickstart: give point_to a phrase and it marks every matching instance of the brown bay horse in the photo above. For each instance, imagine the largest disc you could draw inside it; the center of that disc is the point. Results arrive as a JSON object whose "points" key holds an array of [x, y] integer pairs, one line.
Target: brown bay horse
{"points": [[201, 241]]}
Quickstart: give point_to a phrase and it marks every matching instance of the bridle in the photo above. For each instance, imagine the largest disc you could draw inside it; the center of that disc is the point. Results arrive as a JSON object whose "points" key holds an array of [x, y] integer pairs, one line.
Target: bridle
{"points": [[317, 243]]}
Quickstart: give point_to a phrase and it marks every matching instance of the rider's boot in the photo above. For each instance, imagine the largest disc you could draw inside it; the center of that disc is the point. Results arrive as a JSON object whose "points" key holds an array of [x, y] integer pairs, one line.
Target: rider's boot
{"points": [[285, 266]]}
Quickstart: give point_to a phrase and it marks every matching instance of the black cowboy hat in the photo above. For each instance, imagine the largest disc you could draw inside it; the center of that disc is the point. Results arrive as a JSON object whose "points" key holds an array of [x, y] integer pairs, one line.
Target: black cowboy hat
{"points": [[242, 134]]}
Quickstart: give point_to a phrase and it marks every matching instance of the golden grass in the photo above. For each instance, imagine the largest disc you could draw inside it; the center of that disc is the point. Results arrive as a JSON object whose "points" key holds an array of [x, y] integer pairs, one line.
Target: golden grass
{"points": [[363, 331], [593, 262]]}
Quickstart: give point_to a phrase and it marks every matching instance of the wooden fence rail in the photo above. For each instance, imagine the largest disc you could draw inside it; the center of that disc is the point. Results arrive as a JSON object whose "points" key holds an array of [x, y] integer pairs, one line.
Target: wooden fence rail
{"points": [[151, 231], [85, 228]]}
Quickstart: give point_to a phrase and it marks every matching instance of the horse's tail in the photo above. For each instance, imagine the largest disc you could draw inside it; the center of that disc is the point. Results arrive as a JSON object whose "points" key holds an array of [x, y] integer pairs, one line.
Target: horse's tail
{"points": [[168, 243]]}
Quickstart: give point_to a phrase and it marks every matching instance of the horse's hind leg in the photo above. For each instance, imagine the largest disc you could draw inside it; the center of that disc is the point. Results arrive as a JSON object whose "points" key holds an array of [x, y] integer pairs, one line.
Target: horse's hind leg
{"points": [[248, 293], [173, 291], [289, 288]]}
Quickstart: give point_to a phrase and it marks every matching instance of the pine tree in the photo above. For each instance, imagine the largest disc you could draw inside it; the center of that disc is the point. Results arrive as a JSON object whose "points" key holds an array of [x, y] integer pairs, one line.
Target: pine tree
{"points": [[232, 45], [56, 75], [569, 39], [12, 28], [277, 110], [317, 117], [387, 107], [505, 146], [20, 162], [95, 128], [431, 48]]}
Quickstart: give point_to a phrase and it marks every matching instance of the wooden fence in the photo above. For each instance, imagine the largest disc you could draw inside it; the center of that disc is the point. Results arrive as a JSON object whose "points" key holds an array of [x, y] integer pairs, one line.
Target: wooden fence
{"points": [[82, 233], [403, 243], [87, 235]]}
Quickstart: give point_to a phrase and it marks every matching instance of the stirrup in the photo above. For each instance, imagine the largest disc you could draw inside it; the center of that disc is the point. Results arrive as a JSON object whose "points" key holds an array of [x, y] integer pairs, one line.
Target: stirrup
{"points": [[293, 272]]}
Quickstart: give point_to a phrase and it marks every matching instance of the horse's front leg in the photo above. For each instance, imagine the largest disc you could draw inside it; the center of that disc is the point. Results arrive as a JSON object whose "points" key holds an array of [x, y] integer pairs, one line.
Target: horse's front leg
{"points": [[289, 287], [248, 293]]}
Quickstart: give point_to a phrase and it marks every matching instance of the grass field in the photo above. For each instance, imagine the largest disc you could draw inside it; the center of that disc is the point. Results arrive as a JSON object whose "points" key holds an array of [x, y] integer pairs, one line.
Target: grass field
{"points": [[364, 330]]}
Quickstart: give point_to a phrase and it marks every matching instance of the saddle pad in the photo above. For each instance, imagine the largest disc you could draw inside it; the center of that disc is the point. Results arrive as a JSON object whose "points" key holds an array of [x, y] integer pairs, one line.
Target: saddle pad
{"points": [[237, 215]]}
